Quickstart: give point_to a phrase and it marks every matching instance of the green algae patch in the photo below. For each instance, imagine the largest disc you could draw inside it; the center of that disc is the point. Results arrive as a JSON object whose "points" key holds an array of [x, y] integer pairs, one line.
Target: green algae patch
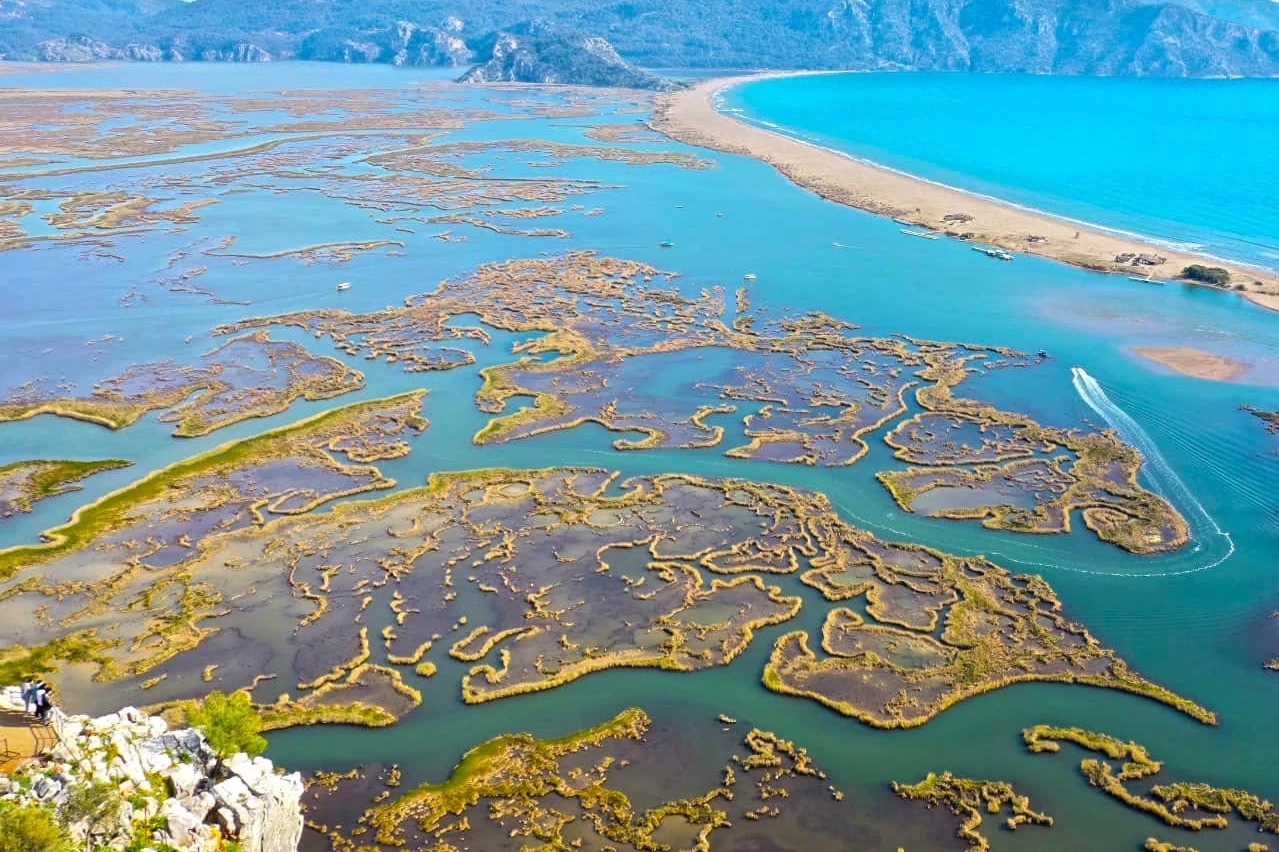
{"points": [[24, 483], [18, 663], [506, 767], [972, 800], [1193, 806]]}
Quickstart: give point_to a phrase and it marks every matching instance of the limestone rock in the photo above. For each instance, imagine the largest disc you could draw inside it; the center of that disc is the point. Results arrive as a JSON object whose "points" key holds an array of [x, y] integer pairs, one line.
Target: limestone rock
{"points": [[189, 799]]}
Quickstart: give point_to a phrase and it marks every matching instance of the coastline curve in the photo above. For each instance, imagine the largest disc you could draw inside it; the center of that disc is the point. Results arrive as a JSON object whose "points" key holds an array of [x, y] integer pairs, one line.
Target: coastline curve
{"points": [[692, 116]]}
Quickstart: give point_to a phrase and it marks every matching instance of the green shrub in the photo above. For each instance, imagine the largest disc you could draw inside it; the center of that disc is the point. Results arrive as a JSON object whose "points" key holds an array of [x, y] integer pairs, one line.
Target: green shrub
{"points": [[93, 802], [1207, 274], [32, 829], [230, 723]]}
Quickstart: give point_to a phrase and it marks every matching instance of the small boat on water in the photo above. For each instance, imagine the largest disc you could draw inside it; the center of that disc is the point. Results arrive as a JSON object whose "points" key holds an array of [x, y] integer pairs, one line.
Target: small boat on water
{"points": [[750, 276], [839, 245], [996, 253], [666, 244], [923, 235], [345, 285], [1145, 280]]}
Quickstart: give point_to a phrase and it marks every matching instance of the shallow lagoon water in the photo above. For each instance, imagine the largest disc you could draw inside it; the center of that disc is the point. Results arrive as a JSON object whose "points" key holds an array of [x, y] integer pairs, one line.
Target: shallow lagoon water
{"points": [[1191, 628]]}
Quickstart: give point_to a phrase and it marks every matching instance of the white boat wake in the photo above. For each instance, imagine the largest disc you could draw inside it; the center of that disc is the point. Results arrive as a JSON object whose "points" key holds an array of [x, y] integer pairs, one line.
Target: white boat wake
{"points": [[1202, 525]]}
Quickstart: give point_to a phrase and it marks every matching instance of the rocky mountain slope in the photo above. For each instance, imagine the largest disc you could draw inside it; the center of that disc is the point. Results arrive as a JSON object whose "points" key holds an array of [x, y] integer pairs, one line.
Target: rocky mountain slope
{"points": [[538, 55], [1178, 38]]}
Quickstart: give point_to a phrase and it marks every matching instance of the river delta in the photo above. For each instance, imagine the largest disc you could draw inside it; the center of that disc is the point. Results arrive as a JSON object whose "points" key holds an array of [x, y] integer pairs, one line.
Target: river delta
{"points": [[625, 495]]}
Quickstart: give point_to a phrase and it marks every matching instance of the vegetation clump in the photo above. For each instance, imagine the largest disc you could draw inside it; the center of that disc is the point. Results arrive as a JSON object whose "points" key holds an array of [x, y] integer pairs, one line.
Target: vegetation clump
{"points": [[566, 793], [1214, 275], [32, 828], [970, 799], [25, 483], [221, 390], [230, 723], [817, 388], [1194, 806]]}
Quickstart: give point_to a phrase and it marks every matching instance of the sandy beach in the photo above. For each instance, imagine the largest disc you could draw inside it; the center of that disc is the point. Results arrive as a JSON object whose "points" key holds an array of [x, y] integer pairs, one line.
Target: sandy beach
{"points": [[690, 116], [1194, 362]]}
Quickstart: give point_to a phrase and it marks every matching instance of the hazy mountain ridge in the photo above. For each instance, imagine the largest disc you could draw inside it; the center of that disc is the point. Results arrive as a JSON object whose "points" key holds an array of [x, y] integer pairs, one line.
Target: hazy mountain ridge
{"points": [[1038, 36]]}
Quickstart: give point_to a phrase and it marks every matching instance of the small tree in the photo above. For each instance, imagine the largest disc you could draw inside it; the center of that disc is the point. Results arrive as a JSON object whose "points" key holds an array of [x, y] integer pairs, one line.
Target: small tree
{"points": [[230, 723], [95, 803], [30, 828]]}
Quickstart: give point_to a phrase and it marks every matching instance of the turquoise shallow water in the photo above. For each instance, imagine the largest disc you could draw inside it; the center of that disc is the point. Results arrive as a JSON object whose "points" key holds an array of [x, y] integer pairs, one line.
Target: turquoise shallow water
{"points": [[1188, 162], [1190, 620]]}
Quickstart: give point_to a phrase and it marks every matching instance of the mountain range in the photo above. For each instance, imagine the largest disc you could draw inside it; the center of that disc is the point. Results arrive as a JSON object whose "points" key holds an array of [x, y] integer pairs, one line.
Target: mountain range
{"points": [[1134, 37]]}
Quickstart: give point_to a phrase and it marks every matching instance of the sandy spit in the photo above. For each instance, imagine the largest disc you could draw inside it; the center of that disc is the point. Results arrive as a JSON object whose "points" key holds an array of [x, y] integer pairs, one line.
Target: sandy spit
{"points": [[689, 116]]}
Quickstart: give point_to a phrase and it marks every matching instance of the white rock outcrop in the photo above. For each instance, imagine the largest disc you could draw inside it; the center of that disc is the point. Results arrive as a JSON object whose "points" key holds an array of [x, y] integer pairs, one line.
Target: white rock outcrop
{"points": [[172, 788]]}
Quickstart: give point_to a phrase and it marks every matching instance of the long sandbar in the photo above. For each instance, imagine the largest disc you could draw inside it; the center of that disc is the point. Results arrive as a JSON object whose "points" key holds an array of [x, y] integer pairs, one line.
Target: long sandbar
{"points": [[690, 116]]}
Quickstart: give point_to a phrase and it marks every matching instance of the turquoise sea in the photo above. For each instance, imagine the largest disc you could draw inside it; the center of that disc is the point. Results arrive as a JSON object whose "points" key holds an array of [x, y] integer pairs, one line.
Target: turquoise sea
{"points": [[1196, 621], [1187, 162]]}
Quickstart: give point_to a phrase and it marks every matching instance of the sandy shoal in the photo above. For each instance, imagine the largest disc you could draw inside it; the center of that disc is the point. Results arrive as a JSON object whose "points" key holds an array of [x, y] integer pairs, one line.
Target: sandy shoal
{"points": [[1194, 362], [689, 116]]}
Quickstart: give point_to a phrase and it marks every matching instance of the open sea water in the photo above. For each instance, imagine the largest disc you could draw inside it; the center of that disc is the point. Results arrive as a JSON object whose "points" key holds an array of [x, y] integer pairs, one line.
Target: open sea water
{"points": [[1190, 163]]}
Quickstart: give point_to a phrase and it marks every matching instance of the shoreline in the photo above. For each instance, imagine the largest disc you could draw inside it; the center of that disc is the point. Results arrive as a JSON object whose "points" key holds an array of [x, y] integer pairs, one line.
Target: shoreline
{"points": [[690, 116]]}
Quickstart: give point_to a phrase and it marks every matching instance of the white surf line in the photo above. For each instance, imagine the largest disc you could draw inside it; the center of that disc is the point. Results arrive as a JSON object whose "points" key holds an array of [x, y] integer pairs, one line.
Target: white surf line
{"points": [[1160, 471]]}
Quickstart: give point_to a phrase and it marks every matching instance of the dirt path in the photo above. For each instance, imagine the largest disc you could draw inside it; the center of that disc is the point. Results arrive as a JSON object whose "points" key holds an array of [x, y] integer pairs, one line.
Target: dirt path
{"points": [[20, 738]]}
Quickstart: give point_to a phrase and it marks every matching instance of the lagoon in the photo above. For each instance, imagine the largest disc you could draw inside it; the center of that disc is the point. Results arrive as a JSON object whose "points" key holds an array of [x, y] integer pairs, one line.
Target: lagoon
{"points": [[1195, 620]]}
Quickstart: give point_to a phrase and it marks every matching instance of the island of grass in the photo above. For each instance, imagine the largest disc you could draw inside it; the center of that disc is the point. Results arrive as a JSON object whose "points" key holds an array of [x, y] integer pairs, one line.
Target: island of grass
{"points": [[973, 801], [25, 483], [580, 791], [1193, 806], [973, 461], [574, 580], [812, 389], [249, 376], [116, 580], [570, 570], [997, 629]]}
